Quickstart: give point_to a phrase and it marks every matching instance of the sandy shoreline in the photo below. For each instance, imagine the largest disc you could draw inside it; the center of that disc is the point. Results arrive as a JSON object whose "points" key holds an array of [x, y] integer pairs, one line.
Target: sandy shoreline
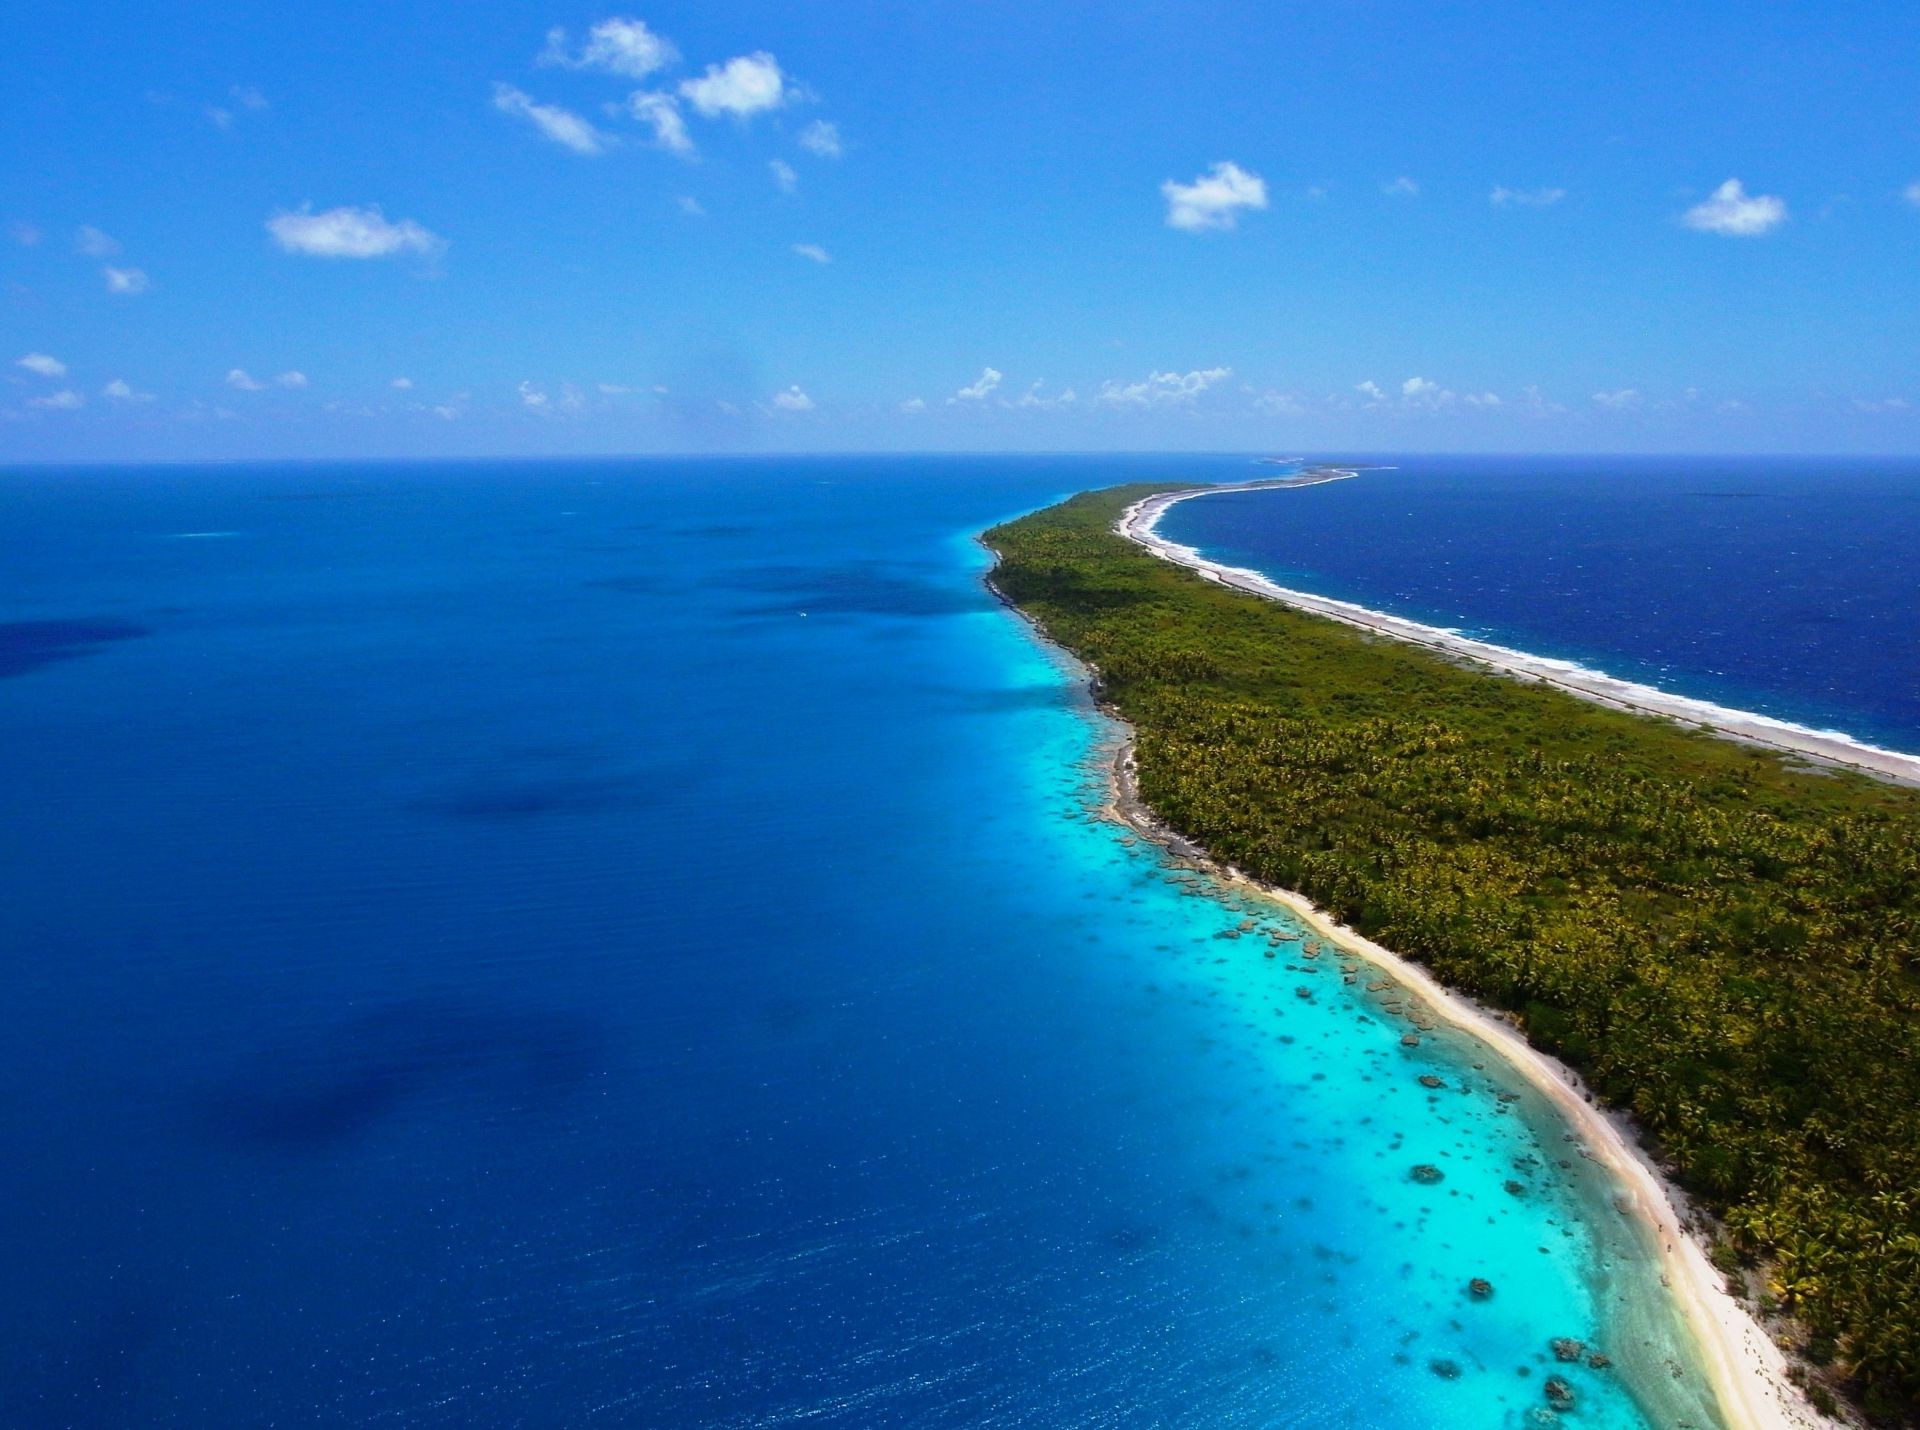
{"points": [[1748, 1370], [1818, 746]]}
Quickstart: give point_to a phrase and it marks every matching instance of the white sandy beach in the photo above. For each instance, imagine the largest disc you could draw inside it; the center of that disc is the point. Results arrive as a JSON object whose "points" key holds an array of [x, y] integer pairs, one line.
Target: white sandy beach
{"points": [[1749, 1371], [1819, 746]]}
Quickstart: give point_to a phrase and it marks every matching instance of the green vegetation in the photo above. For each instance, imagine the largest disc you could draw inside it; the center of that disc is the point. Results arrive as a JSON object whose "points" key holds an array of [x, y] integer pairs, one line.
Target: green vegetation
{"points": [[1719, 941]]}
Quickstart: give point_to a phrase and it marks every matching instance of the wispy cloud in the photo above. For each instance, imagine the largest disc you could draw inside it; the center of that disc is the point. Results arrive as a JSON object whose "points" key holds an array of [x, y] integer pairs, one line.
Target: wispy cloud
{"points": [[661, 113], [1214, 199], [401, 384], [1400, 188], [978, 389], [1161, 389], [1734, 212], [1503, 197], [240, 381], [691, 207], [1912, 194], [349, 232], [42, 365], [291, 379], [120, 390], [562, 126], [793, 400], [1882, 404], [813, 251], [784, 178], [126, 281], [742, 87], [63, 401], [1619, 400], [914, 404], [618, 46], [95, 244], [27, 236], [823, 139]]}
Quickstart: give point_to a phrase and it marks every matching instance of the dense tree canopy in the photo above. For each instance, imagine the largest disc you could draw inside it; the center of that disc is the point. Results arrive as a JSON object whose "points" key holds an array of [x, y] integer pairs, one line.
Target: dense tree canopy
{"points": [[1722, 942]]}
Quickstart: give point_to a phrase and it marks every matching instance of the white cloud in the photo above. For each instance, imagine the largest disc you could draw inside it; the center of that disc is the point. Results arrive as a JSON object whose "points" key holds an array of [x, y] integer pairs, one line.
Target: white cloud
{"points": [[65, 400], [793, 400], [401, 384], [562, 126], [1280, 404], [120, 390], [247, 97], [691, 207], [291, 379], [42, 365], [1032, 398], [349, 232], [914, 404], [1483, 399], [95, 244], [1214, 199], [533, 396], [1370, 390], [1400, 188], [1425, 392], [1503, 197], [661, 113], [240, 381], [784, 177], [743, 87], [1883, 404], [127, 281], [823, 139], [813, 251], [1734, 212], [977, 390], [1618, 400], [27, 236], [618, 45], [219, 118], [1911, 194], [1161, 389]]}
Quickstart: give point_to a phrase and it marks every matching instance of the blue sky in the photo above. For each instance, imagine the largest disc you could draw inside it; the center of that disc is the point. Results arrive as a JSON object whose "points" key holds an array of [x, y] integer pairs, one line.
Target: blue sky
{"points": [[380, 229]]}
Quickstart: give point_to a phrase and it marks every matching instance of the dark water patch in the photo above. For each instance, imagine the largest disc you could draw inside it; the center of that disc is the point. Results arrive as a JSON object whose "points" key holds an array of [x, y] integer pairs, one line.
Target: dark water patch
{"points": [[716, 532], [527, 799], [26, 646], [630, 585], [855, 588], [336, 1086]]}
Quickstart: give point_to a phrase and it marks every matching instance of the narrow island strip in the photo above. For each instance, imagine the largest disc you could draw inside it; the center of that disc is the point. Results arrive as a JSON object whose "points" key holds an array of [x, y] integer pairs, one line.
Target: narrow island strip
{"points": [[1715, 939]]}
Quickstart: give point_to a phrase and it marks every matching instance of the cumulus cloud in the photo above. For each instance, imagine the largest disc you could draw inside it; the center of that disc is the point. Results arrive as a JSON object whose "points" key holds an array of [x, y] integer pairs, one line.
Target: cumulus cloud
{"points": [[1618, 400], [1503, 197], [1425, 392], [1214, 199], [1400, 188], [823, 139], [813, 251], [1034, 398], [618, 45], [978, 389], [349, 232], [562, 126], [793, 400], [291, 379], [744, 86], [1370, 390], [1161, 389], [661, 113], [42, 365], [120, 390], [240, 381], [65, 400], [914, 404], [126, 281], [1734, 212], [533, 397], [784, 178], [95, 244]]}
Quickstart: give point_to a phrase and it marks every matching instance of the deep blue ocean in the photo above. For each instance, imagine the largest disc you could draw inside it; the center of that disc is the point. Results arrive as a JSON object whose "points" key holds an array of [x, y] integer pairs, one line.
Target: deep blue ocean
{"points": [[1790, 587], [636, 943]]}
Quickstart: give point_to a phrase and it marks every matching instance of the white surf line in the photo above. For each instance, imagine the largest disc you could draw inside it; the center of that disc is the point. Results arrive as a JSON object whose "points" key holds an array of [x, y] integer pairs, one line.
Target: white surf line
{"points": [[1137, 523]]}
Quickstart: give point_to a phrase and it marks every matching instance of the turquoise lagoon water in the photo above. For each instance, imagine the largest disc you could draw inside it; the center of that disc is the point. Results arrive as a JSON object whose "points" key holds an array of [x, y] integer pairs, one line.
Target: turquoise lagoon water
{"points": [[635, 943]]}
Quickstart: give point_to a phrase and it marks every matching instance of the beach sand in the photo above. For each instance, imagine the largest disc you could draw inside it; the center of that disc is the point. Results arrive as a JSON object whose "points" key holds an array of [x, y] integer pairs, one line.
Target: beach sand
{"points": [[1749, 1372]]}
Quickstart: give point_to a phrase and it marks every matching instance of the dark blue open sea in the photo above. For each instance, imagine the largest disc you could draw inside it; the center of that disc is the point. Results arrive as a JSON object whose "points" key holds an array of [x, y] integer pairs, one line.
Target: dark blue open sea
{"points": [[635, 944], [1787, 586]]}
